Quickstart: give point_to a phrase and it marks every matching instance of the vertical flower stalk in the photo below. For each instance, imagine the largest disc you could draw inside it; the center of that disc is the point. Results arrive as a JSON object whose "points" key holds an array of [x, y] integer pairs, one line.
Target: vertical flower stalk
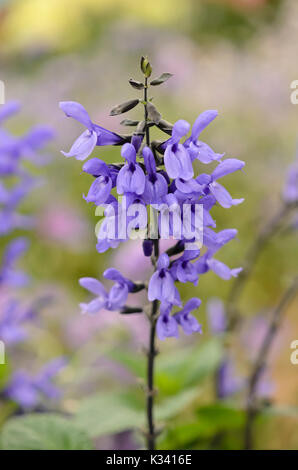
{"points": [[156, 175]]}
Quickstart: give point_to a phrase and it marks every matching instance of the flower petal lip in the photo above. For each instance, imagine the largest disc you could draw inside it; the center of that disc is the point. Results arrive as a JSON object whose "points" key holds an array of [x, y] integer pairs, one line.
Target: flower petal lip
{"points": [[202, 121], [83, 146], [227, 166], [76, 111], [93, 285], [128, 152]]}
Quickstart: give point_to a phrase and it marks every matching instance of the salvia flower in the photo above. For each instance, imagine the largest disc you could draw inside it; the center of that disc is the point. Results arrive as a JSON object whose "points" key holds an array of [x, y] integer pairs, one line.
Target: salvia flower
{"points": [[162, 174], [162, 285], [131, 178], [28, 391], [188, 322], [94, 135]]}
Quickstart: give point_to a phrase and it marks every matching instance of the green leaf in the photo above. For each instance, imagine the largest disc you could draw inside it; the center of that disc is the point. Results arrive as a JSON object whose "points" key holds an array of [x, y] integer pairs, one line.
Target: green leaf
{"points": [[109, 412], [43, 432], [134, 363], [116, 411], [174, 405], [163, 78], [221, 416], [185, 368]]}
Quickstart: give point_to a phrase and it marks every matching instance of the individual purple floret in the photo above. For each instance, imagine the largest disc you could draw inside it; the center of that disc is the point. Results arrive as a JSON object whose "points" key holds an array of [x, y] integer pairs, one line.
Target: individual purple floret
{"points": [[28, 391], [8, 274], [114, 299], [12, 322], [94, 135], [162, 285]]}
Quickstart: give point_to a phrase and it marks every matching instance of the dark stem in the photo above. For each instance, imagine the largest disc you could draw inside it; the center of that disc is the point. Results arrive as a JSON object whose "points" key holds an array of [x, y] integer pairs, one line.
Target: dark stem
{"points": [[152, 352], [260, 363], [146, 113], [272, 227]]}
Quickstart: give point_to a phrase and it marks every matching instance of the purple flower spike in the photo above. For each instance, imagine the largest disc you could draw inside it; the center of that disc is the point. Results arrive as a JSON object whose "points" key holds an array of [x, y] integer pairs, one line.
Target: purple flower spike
{"points": [[166, 325], [156, 186], [94, 135], [161, 285], [131, 178], [177, 160], [188, 322]]}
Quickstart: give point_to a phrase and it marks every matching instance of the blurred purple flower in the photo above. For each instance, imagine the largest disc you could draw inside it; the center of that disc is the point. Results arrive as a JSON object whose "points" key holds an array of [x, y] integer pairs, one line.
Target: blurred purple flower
{"points": [[28, 391], [216, 316]]}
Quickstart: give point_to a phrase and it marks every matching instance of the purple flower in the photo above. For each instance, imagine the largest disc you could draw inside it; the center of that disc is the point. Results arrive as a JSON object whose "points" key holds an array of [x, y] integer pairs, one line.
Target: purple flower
{"points": [[161, 285], [290, 192], [28, 391], [228, 382], [222, 270], [188, 322], [176, 157], [216, 316], [100, 188], [9, 109], [156, 186], [11, 322], [131, 178], [166, 325], [94, 135], [183, 270], [13, 251], [221, 195], [113, 300], [196, 148]]}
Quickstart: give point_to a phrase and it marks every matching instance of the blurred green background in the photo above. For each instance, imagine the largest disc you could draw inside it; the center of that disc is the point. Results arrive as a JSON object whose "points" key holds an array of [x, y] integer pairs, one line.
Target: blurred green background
{"points": [[237, 56]]}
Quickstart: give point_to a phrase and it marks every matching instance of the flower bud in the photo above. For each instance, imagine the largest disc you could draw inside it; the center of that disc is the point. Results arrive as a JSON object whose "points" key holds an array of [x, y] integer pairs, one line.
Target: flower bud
{"points": [[146, 67]]}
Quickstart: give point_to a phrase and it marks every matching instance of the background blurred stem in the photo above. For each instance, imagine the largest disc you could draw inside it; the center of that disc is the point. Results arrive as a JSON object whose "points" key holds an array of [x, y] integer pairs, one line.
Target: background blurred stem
{"points": [[260, 363], [265, 234]]}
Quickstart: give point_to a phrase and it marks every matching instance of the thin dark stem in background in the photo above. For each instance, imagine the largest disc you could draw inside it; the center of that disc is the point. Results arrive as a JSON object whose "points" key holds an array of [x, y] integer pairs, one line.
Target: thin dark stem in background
{"points": [[260, 363], [272, 227]]}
